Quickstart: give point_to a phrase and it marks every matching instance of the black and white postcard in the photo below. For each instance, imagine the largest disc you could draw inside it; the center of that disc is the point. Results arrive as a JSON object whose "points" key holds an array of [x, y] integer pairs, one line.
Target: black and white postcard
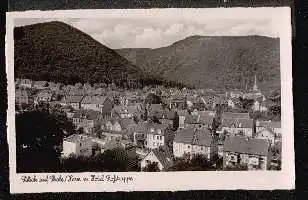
{"points": [[150, 100]]}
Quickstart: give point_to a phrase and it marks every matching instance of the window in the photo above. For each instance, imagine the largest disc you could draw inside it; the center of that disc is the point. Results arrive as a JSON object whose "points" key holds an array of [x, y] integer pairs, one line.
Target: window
{"points": [[201, 148], [161, 137], [154, 144], [157, 137], [80, 144], [188, 146]]}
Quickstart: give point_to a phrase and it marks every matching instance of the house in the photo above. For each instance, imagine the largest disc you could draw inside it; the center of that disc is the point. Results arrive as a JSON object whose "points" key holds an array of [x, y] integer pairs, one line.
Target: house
{"points": [[182, 115], [151, 136], [203, 120], [237, 126], [43, 96], [178, 102], [275, 126], [244, 151], [257, 106], [102, 104], [267, 134], [127, 111], [116, 124], [193, 142], [86, 119], [21, 96], [109, 135], [73, 101], [167, 117], [77, 145], [162, 156], [192, 121], [26, 83]]}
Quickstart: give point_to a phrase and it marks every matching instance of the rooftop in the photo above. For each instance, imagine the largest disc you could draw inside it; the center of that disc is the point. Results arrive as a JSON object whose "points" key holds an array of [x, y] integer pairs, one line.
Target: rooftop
{"points": [[164, 155], [77, 138], [240, 144], [237, 123], [87, 114], [194, 137], [94, 99]]}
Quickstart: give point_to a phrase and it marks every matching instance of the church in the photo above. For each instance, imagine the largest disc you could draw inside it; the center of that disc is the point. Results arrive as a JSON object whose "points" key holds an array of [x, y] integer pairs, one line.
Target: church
{"points": [[255, 92]]}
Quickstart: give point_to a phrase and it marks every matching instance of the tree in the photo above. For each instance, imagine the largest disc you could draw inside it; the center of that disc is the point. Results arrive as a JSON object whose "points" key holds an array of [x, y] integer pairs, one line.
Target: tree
{"points": [[38, 138], [237, 167], [275, 111], [175, 122], [246, 104], [151, 167], [115, 160], [198, 162], [63, 122]]}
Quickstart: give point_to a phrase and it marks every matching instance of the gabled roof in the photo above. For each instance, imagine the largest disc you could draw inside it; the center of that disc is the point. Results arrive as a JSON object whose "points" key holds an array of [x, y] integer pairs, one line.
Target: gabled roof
{"points": [[237, 123], [165, 114], [155, 107], [164, 155], [126, 123], [206, 117], [94, 99], [191, 119], [194, 137], [87, 114], [147, 126], [240, 144], [270, 124]]}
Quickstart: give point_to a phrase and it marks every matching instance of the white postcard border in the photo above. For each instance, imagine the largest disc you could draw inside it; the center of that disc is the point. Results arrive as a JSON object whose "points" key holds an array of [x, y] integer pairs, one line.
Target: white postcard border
{"points": [[166, 181]]}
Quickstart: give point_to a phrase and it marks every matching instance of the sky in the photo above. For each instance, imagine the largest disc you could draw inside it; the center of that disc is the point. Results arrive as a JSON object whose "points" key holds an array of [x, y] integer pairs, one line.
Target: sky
{"points": [[158, 30]]}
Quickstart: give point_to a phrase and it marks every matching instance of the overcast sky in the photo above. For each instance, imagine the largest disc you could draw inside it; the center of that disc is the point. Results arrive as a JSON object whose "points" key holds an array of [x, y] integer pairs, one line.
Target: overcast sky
{"points": [[149, 31]]}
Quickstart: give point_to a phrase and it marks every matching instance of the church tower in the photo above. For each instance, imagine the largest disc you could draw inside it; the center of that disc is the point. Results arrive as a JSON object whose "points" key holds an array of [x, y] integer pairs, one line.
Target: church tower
{"points": [[255, 87]]}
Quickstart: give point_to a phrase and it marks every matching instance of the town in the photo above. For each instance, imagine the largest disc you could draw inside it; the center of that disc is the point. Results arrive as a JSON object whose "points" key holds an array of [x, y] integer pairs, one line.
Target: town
{"points": [[164, 128]]}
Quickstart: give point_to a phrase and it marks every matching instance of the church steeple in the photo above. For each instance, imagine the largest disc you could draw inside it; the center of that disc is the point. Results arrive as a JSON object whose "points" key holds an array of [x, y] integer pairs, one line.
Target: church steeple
{"points": [[255, 87]]}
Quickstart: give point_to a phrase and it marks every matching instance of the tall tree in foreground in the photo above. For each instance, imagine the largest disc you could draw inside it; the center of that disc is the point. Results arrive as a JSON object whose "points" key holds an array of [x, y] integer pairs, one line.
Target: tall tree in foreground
{"points": [[38, 141]]}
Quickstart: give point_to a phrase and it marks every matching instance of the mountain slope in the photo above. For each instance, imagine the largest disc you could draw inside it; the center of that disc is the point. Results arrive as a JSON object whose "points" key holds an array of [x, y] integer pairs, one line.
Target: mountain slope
{"points": [[216, 62], [56, 51]]}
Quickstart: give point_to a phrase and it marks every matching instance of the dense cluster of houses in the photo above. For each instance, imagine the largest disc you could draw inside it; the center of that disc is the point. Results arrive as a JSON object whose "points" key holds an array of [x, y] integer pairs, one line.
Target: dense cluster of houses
{"points": [[185, 122]]}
